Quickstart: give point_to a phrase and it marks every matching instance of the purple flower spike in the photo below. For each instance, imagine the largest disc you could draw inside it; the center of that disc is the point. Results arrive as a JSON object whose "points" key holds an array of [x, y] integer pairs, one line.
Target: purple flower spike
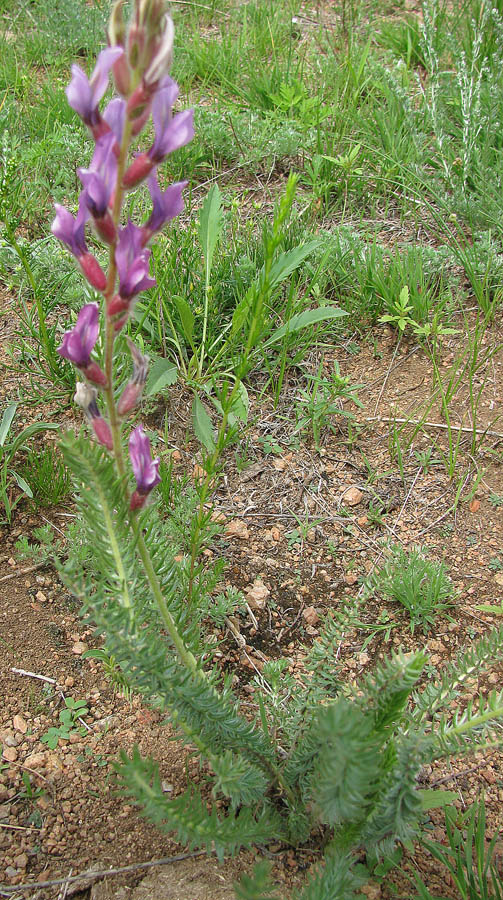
{"points": [[171, 132], [79, 342], [84, 94], [146, 469], [132, 262], [166, 205]]}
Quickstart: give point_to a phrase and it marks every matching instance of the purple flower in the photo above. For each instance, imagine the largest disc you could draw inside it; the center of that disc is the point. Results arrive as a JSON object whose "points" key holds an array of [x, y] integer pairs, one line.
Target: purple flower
{"points": [[84, 94], [146, 469], [99, 180], [79, 342], [69, 230], [132, 262], [114, 116], [72, 233], [171, 132], [166, 205]]}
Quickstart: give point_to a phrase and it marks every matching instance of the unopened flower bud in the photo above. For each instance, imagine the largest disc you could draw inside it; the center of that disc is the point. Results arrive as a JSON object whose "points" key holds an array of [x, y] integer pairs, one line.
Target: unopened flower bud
{"points": [[95, 374], [93, 271], [161, 62], [139, 169], [122, 76], [117, 25], [134, 388], [85, 397], [105, 228], [137, 500], [136, 44], [103, 432]]}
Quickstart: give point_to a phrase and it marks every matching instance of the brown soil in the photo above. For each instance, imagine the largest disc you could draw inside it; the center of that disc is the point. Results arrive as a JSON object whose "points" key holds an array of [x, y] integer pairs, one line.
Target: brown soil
{"points": [[301, 523]]}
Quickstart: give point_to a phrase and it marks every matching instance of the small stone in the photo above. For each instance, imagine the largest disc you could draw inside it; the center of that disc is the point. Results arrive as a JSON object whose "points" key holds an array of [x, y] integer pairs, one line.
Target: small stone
{"points": [[352, 497], [351, 578], [11, 562], [257, 595], [311, 616], [40, 596], [11, 872], [275, 533], [36, 760], [10, 754], [21, 861], [371, 891], [20, 724], [69, 681], [474, 506], [237, 528], [79, 647]]}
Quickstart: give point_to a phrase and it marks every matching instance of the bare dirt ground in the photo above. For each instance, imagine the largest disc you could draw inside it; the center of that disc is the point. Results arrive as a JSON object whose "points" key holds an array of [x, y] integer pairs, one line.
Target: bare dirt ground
{"points": [[299, 526]]}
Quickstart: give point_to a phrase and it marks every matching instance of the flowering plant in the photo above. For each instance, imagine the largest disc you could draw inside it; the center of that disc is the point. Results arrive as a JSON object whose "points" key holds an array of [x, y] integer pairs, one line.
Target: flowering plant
{"points": [[318, 755], [140, 60]]}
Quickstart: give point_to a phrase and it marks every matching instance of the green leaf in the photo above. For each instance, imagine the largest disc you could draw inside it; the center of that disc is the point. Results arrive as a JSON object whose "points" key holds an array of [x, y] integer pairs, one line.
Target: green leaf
{"points": [[303, 320], [162, 374], [186, 316], [23, 485], [431, 799], [241, 404], [202, 425], [286, 263], [6, 422], [210, 226], [29, 432], [258, 886]]}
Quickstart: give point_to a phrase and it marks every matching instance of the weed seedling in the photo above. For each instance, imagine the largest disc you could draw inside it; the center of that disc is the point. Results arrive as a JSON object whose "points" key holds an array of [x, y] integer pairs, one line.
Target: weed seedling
{"points": [[69, 719], [420, 585]]}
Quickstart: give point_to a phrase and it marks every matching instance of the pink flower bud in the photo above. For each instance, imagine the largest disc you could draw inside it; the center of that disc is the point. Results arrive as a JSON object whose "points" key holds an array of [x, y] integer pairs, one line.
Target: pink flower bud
{"points": [[137, 100], [138, 170], [133, 390], [137, 500], [129, 398], [95, 374], [85, 396], [117, 305], [139, 123], [105, 227], [136, 44], [93, 271], [100, 128], [122, 76], [102, 431], [118, 311]]}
